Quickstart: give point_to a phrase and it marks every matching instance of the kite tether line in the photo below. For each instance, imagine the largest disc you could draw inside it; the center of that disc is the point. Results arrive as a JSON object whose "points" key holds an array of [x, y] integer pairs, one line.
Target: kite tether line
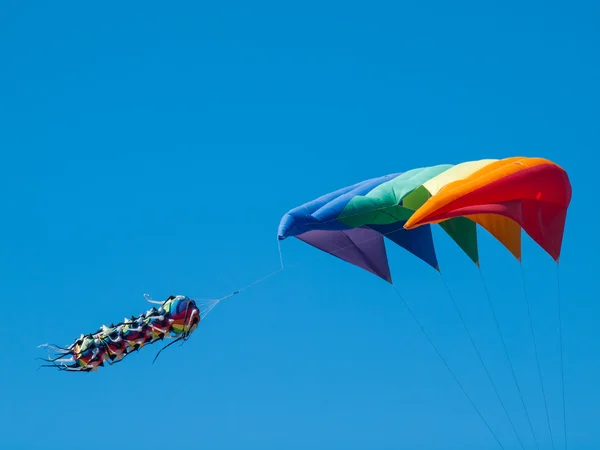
{"points": [[207, 305]]}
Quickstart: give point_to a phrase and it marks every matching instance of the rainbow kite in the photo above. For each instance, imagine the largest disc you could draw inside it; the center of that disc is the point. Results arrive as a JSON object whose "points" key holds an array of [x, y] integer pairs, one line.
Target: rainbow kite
{"points": [[502, 196]]}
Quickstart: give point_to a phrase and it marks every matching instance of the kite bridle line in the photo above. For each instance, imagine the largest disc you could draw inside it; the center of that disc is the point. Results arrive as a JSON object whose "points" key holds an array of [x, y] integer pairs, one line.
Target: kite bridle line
{"points": [[483, 364], [509, 359]]}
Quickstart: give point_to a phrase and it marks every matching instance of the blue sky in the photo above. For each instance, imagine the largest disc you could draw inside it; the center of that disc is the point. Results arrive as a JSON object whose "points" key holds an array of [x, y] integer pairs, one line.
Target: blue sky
{"points": [[153, 147]]}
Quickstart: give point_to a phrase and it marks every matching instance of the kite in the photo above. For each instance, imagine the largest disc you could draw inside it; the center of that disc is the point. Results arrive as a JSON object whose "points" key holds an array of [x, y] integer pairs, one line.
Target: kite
{"points": [[501, 195], [176, 318]]}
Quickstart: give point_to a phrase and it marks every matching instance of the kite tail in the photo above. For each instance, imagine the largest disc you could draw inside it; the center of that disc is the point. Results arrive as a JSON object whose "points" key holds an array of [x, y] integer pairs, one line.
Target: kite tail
{"points": [[177, 317]]}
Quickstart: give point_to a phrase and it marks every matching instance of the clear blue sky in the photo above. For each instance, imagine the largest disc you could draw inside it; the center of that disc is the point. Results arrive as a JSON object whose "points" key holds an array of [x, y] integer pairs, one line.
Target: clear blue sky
{"points": [[154, 146]]}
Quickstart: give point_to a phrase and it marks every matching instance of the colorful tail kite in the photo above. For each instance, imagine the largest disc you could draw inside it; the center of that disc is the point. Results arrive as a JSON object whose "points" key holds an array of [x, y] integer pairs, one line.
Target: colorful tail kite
{"points": [[177, 317], [502, 196]]}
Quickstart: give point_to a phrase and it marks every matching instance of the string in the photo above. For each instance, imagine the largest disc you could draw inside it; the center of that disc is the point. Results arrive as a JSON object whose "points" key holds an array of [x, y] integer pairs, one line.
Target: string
{"points": [[214, 302], [536, 355], [457, 309], [562, 368], [258, 281], [264, 278], [279, 249], [447, 366], [512, 368]]}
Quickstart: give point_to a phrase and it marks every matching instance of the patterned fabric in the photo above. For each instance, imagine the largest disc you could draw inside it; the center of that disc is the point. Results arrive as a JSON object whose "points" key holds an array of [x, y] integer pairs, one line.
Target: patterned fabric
{"points": [[177, 318]]}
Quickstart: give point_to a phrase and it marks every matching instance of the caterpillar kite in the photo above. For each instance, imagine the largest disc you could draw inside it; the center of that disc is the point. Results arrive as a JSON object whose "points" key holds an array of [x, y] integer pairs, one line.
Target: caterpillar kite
{"points": [[176, 318]]}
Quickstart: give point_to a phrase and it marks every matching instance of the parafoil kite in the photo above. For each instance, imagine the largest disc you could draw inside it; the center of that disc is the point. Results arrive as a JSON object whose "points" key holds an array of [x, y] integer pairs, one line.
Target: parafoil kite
{"points": [[502, 196], [177, 317]]}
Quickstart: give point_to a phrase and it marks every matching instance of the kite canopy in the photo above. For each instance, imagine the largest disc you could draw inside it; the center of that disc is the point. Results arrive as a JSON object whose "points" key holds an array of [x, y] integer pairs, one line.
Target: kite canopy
{"points": [[501, 196]]}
